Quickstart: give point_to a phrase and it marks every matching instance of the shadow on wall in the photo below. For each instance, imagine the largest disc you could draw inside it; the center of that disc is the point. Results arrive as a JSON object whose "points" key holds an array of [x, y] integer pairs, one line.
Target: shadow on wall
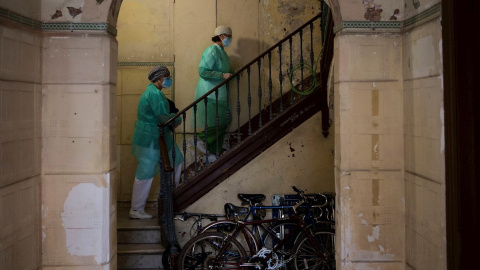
{"points": [[246, 50]]}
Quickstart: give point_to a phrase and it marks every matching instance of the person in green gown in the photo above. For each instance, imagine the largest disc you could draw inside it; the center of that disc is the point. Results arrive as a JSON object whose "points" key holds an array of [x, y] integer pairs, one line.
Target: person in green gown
{"points": [[213, 69], [153, 108]]}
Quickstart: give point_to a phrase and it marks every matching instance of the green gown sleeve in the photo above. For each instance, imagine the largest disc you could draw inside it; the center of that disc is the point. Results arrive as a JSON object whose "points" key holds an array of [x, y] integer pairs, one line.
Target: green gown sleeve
{"points": [[161, 109], [211, 62]]}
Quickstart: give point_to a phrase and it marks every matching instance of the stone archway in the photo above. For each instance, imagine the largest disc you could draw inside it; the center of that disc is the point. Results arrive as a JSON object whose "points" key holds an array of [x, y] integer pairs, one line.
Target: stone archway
{"points": [[385, 185]]}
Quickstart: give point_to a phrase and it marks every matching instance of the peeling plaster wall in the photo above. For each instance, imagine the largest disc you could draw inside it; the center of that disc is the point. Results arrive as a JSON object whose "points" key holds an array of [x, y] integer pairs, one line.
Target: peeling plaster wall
{"points": [[414, 7], [85, 11], [371, 10], [276, 20], [369, 151], [79, 224], [390, 173], [20, 140], [78, 155]]}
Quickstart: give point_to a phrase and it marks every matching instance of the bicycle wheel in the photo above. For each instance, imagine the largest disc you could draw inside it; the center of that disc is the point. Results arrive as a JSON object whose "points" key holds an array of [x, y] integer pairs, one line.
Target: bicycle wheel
{"points": [[227, 227], [210, 250], [318, 255], [273, 235], [276, 232]]}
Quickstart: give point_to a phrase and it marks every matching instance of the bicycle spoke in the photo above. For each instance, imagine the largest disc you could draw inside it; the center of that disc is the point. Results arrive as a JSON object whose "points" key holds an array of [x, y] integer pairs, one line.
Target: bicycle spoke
{"points": [[318, 255], [212, 251]]}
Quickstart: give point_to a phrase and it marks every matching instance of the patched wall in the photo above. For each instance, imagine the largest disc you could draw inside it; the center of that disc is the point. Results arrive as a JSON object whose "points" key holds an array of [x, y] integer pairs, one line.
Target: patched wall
{"points": [[79, 157]]}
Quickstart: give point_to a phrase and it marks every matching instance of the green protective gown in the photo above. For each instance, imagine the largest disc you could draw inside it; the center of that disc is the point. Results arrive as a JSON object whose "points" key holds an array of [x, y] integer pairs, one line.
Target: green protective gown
{"points": [[153, 108], [213, 64]]}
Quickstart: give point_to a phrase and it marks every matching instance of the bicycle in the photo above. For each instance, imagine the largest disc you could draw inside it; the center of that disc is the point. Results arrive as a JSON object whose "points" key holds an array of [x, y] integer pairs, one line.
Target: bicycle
{"points": [[216, 250], [198, 217], [267, 236], [183, 216]]}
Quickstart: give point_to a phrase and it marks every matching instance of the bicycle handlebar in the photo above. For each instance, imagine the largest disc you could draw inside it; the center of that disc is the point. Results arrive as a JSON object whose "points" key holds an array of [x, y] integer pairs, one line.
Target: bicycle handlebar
{"points": [[305, 198]]}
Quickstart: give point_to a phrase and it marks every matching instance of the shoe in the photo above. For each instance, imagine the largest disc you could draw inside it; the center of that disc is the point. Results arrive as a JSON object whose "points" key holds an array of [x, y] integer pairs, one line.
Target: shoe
{"points": [[211, 158], [140, 214], [200, 145]]}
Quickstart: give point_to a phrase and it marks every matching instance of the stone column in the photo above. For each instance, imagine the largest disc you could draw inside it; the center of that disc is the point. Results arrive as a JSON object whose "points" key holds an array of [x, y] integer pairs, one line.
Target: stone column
{"points": [[79, 118], [369, 150]]}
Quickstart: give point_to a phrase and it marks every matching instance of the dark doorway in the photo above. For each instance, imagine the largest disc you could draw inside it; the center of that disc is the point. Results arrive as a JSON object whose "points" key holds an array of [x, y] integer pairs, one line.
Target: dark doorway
{"points": [[461, 51]]}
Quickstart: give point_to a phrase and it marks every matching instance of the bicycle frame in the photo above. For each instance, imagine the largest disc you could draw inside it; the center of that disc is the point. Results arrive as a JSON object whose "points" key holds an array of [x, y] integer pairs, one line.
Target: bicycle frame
{"points": [[198, 217], [257, 227], [299, 225]]}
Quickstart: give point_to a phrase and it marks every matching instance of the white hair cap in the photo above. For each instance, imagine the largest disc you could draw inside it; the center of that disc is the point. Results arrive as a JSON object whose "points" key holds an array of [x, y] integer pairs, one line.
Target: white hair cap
{"points": [[222, 30]]}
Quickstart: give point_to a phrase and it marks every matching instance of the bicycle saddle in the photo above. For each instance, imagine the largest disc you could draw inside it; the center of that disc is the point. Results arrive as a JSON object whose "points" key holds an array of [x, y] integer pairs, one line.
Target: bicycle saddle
{"points": [[232, 210], [251, 198]]}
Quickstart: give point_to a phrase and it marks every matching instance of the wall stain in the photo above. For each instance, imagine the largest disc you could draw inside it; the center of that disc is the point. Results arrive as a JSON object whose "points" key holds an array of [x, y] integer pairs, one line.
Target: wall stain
{"points": [[291, 8], [416, 4], [395, 15], [58, 14], [372, 11], [291, 148], [74, 11]]}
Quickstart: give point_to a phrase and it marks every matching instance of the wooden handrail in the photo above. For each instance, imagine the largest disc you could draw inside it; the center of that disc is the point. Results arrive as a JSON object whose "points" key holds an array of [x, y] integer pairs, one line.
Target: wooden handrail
{"points": [[164, 152]]}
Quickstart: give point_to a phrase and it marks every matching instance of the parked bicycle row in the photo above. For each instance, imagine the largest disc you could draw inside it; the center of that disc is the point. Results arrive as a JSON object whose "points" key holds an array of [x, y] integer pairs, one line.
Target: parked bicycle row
{"points": [[298, 234]]}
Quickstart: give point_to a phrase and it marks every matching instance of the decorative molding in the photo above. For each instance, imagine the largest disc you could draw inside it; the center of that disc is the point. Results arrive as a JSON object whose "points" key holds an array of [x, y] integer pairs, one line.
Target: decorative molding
{"points": [[144, 64], [7, 14], [398, 25], [367, 25], [57, 26], [434, 10], [80, 26]]}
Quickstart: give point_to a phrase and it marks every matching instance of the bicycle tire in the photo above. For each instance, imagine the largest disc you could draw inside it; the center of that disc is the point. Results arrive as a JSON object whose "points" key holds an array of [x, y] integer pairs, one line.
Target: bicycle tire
{"points": [[275, 233], [201, 251], [167, 257], [319, 257], [227, 227]]}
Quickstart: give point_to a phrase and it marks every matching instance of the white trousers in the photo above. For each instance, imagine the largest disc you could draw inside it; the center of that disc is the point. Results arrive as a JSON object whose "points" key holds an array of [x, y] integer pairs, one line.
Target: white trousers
{"points": [[141, 189]]}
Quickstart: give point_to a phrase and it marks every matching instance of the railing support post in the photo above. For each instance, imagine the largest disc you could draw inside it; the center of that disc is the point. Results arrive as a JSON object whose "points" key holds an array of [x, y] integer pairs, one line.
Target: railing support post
{"points": [[165, 202]]}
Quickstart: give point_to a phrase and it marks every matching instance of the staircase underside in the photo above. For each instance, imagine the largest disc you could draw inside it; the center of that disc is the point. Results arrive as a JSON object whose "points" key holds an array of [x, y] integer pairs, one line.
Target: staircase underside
{"points": [[250, 147]]}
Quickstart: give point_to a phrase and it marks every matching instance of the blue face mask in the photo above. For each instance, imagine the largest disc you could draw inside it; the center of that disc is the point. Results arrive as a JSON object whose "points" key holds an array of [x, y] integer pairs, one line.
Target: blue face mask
{"points": [[226, 42], [167, 82]]}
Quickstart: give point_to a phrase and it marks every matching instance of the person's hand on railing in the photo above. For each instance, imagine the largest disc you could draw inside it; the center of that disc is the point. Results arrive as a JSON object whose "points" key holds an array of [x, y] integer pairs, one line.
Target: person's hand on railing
{"points": [[226, 75]]}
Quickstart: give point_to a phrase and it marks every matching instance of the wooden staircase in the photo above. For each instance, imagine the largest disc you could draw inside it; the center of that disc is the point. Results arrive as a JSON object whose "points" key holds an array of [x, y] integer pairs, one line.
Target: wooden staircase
{"points": [[263, 137]]}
